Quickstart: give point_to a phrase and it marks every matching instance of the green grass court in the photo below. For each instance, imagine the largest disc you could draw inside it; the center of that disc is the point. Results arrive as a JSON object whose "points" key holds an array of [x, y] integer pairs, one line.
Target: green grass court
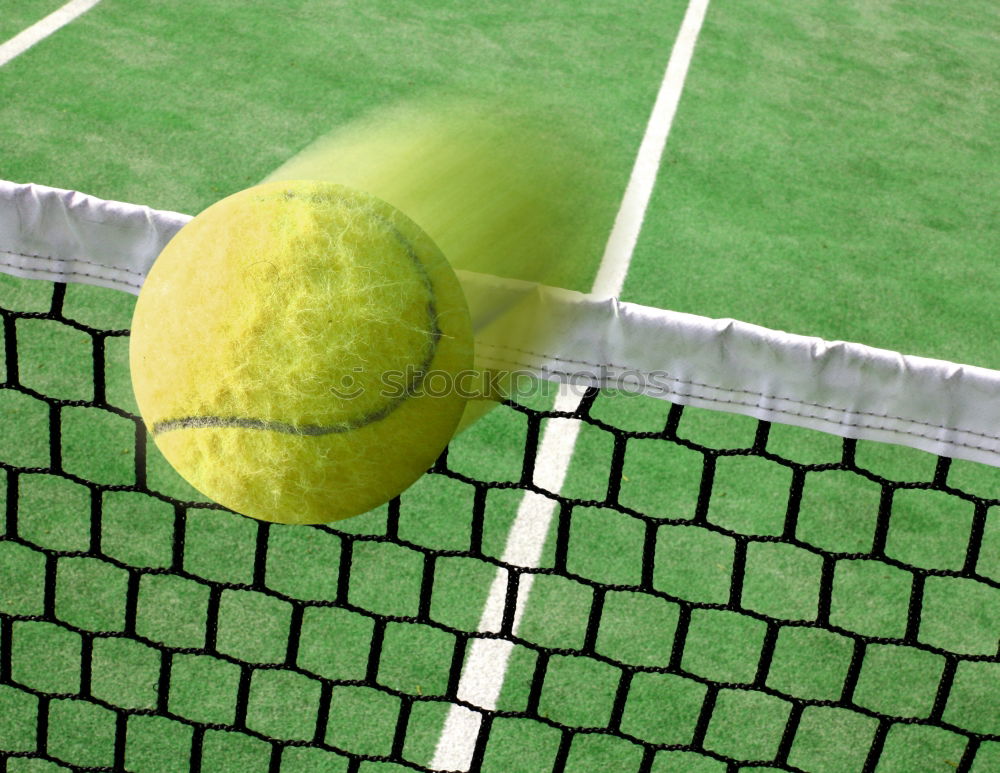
{"points": [[831, 171]]}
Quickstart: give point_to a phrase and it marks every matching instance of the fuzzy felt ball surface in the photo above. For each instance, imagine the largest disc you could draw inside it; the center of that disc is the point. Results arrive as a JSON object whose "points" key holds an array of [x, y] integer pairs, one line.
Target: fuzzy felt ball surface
{"points": [[296, 352]]}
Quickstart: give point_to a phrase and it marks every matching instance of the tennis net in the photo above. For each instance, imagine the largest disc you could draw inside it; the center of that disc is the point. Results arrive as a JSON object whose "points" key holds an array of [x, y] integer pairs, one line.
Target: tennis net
{"points": [[768, 552]]}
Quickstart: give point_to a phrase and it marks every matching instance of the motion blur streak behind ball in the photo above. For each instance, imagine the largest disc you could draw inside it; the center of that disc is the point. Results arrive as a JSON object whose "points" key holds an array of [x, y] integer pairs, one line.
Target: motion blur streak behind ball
{"points": [[262, 339], [512, 188]]}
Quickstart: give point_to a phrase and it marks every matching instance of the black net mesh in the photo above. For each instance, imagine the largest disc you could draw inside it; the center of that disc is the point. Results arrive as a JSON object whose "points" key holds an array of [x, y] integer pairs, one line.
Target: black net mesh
{"points": [[697, 605]]}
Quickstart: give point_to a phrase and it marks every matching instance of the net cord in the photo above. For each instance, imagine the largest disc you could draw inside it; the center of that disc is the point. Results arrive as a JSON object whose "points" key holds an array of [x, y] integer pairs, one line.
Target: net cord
{"points": [[841, 388]]}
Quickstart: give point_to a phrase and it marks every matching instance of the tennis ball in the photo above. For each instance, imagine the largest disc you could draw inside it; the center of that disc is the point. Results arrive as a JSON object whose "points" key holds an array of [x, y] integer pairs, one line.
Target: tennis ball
{"points": [[294, 349]]}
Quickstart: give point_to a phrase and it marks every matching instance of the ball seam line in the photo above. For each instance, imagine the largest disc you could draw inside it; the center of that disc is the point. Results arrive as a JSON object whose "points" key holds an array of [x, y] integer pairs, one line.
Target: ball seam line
{"points": [[201, 422]]}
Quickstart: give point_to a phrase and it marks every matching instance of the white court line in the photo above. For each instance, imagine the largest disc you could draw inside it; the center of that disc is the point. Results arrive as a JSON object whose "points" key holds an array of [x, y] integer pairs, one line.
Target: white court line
{"points": [[486, 662], [40, 30], [625, 234]]}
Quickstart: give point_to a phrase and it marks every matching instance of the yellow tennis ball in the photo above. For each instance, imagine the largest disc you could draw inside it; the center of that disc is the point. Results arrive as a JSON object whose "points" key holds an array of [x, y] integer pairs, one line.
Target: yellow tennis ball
{"points": [[295, 351]]}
